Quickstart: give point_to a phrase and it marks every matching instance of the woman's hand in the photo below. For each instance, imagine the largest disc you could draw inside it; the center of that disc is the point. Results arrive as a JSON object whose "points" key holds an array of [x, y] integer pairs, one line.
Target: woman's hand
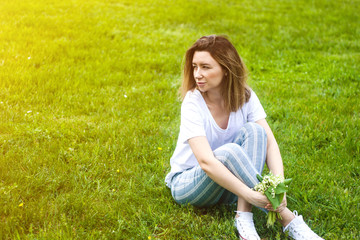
{"points": [[280, 208], [258, 199]]}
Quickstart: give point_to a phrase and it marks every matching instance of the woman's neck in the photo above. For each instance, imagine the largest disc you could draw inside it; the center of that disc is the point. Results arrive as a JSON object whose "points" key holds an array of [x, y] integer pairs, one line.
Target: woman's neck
{"points": [[214, 98]]}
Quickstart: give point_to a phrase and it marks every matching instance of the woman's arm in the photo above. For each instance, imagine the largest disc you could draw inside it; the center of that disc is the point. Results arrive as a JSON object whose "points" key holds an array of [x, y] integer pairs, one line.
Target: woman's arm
{"points": [[221, 175], [273, 159], [273, 156]]}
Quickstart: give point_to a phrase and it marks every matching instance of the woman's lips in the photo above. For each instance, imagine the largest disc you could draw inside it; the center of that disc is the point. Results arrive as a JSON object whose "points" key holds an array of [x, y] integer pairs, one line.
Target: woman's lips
{"points": [[200, 84]]}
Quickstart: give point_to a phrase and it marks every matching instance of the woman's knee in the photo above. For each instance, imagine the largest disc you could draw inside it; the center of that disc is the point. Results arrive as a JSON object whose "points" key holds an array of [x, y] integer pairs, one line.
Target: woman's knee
{"points": [[230, 154], [234, 158], [252, 127], [226, 151]]}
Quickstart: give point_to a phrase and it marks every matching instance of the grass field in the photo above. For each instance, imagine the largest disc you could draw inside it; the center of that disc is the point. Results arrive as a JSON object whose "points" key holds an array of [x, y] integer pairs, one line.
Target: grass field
{"points": [[89, 113]]}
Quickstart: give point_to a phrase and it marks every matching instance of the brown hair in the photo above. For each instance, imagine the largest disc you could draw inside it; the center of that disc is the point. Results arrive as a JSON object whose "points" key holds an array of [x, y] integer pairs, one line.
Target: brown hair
{"points": [[235, 90]]}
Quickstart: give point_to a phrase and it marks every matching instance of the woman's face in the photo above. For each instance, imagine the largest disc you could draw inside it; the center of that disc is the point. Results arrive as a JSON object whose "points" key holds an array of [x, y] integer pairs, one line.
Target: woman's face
{"points": [[208, 73]]}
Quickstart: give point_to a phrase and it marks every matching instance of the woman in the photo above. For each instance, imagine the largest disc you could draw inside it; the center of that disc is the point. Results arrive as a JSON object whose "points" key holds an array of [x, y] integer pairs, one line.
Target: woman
{"points": [[224, 140]]}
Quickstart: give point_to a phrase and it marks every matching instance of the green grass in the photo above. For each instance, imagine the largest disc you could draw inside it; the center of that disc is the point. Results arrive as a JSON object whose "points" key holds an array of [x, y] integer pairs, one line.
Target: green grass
{"points": [[89, 113]]}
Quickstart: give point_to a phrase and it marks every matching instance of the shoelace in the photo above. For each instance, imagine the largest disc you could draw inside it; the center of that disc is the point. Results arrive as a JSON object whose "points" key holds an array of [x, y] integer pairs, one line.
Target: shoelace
{"points": [[303, 230], [247, 227]]}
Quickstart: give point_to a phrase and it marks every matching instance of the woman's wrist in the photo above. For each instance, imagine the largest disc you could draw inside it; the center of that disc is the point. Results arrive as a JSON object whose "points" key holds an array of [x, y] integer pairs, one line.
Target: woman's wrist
{"points": [[249, 195]]}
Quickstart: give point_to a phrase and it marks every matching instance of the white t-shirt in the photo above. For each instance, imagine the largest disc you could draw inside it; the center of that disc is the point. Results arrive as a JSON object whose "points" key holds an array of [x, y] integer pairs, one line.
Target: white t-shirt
{"points": [[196, 120]]}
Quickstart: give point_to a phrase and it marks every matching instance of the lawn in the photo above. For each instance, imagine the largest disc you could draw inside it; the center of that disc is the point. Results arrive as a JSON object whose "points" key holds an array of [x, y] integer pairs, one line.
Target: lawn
{"points": [[89, 113]]}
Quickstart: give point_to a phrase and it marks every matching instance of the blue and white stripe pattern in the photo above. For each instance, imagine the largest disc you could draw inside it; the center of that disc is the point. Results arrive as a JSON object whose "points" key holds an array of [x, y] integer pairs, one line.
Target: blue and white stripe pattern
{"points": [[245, 158]]}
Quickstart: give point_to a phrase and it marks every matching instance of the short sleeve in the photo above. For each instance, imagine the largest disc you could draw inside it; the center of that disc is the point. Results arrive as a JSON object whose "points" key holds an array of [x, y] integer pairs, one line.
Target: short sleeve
{"points": [[192, 123], [255, 109]]}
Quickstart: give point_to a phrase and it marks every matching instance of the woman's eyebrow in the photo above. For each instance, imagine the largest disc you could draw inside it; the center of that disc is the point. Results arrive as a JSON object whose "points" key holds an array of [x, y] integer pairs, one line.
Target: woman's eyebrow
{"points": [[202, 64]]}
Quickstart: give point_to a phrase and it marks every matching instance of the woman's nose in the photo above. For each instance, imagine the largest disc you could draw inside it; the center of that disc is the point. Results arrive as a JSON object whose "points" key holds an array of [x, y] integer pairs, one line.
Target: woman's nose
{"points": [[197, 74]]}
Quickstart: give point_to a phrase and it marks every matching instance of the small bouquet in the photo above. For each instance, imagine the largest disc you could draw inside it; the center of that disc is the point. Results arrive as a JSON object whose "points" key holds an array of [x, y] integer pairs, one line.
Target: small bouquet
{"points": [[274, 187]]}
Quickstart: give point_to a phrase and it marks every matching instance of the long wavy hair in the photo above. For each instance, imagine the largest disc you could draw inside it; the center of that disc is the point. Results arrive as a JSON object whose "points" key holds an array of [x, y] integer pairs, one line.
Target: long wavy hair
{"points": [[234, 88]]}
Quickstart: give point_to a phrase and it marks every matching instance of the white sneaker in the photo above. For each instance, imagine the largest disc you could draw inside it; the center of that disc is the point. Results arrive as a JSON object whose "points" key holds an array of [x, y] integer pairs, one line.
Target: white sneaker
{"points": [[299, 230], [245, 226]]}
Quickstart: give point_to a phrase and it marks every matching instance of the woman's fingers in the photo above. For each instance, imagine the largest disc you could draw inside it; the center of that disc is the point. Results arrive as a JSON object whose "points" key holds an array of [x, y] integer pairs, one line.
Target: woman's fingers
{"points": [[258, 199], [279, 209], [283, 205]]}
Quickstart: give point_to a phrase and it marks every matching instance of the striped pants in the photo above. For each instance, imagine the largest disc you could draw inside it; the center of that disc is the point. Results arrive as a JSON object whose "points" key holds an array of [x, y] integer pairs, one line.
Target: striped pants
{"points": [[245, 158]]}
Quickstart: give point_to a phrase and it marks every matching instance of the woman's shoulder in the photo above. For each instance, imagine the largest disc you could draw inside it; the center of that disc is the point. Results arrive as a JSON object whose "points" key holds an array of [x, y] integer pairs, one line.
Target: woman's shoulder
{"points": [[253, 97], [251, 91], [193, 101], [193, 96], [253, 100]]}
